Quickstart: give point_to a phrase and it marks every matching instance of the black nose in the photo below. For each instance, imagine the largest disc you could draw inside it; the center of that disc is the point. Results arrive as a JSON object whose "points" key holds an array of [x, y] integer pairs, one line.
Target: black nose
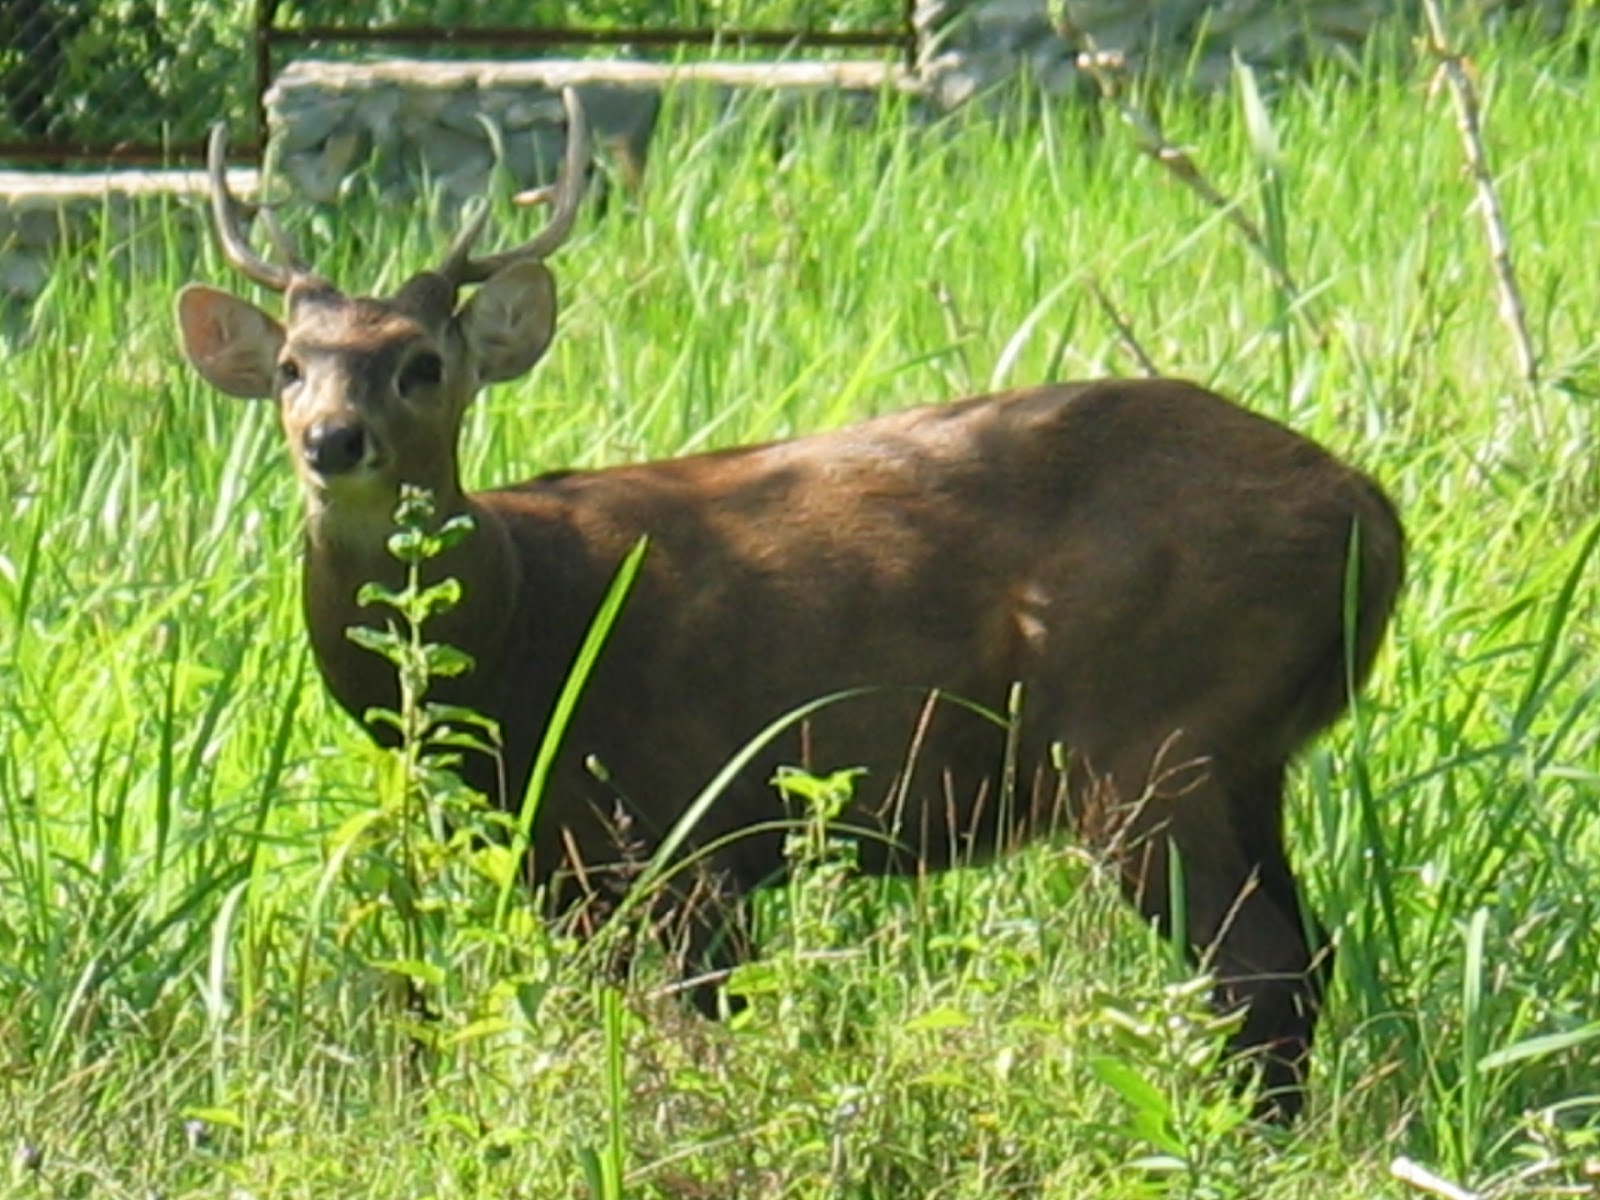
{"points": [[333, 449]]}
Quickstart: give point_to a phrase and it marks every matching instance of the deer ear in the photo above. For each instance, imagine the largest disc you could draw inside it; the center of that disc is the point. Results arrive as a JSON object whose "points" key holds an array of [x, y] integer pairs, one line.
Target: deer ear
{"points": [[231, 342], [508, 322]]}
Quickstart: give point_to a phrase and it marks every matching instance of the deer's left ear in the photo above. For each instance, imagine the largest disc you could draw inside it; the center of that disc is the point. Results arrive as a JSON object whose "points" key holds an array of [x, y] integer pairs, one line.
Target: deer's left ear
{"points": [[508, 322]]}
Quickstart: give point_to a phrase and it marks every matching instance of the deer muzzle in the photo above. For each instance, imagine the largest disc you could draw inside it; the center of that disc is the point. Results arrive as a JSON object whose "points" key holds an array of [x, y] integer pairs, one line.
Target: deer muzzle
{"points": [[332, 448]]}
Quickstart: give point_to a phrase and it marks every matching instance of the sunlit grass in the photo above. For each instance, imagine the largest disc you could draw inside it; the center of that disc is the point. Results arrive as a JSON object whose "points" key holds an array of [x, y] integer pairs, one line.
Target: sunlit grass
{"points": [[171, 773]]}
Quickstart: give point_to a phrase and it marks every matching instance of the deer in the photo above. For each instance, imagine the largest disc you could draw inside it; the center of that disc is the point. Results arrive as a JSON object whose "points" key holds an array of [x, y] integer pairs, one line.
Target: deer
{"points": [[1112, 608]]}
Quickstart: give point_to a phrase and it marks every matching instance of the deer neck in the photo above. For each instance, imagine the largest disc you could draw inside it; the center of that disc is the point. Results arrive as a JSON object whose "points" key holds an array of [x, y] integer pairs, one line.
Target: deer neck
{"points": [[347, 547]]}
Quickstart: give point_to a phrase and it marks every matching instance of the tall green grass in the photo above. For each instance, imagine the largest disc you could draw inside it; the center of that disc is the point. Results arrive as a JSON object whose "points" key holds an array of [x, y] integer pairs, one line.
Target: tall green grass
{"points": [[186, 997]]}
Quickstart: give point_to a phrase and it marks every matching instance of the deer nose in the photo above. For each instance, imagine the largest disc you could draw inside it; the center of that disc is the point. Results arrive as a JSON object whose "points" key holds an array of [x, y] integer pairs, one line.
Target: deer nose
{"points": [[334, 448]]}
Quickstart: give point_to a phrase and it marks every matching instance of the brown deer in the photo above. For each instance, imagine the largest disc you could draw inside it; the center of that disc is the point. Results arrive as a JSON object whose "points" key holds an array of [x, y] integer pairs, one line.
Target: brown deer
{"points": [[1182, 593]]}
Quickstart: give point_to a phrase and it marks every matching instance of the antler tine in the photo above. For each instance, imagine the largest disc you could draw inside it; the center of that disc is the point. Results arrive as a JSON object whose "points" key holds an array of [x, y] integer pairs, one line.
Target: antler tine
{"points": [[235, 246], [282, 242], [458, 259], [459, 268]]}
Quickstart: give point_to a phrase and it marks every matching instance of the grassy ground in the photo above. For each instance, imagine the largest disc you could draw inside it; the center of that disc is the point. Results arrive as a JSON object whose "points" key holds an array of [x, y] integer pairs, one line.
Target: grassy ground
{"points": [[189, 1002]]}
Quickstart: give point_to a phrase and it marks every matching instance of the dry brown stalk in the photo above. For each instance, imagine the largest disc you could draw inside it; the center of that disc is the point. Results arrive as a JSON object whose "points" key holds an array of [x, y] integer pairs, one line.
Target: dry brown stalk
{"points": [[1104, 69], [1125, 333], [1453, 69]]}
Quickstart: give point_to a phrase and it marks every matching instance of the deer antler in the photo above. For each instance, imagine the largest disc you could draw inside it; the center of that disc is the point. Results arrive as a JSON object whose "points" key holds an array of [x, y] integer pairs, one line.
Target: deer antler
{"points": [[459, 267], [235, 246]]}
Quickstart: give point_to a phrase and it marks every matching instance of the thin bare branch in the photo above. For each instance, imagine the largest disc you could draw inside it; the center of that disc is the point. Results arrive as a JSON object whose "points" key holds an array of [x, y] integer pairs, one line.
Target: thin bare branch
{"points": [[1105, 70], [1125, 334], [1418, 1176], [1452, 67]]}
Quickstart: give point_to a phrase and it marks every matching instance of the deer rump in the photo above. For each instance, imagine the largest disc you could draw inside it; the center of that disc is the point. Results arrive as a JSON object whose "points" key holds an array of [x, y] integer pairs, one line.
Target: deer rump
{"points": [[1184, 592]]}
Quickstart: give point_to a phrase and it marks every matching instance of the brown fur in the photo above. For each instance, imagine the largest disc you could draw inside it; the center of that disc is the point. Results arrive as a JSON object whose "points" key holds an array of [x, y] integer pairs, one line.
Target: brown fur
{"points": [[1162, 572]]}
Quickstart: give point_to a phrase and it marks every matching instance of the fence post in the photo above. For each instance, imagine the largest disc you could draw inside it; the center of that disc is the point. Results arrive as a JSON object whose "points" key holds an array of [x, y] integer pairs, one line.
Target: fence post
{"points": [[908, 33], [266, 23]]}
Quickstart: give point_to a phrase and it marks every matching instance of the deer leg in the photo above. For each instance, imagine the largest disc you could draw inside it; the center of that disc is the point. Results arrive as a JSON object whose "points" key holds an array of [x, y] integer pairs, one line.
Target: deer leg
{"points": [[703, 925], [1241, 919], [1257, 803]]}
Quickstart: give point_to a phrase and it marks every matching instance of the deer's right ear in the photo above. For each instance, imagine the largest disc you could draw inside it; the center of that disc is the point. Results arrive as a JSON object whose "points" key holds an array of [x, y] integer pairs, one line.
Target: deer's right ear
{"points": [[231, 342]]}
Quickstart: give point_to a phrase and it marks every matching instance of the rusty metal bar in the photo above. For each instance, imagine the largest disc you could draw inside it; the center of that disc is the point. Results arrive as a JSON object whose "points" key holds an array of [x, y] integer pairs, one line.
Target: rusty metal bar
{"points": [[131, 154], [266, 22]]}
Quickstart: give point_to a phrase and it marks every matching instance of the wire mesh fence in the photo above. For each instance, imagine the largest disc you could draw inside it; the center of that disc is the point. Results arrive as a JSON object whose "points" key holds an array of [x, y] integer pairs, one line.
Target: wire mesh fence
{"points": [[79, 74], [134, 80]]}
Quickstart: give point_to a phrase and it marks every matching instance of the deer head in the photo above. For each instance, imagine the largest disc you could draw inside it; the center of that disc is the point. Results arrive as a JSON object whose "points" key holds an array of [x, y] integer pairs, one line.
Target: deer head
{"points": [[371, 390]]}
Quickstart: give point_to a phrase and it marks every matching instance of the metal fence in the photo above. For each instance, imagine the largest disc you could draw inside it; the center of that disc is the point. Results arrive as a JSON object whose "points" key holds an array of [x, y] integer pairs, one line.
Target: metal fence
{"points": [[97, 81]]}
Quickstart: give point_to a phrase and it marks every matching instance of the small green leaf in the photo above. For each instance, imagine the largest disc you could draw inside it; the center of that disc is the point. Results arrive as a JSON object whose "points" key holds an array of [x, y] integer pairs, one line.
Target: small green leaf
{"points": [[369, 594], [414, 969], [942, 1017], [225, 1118], [476, 1030], [382, 716], [754, 979], [497, 864], [1150, 1108], [446, 660], [423, 1033], [380, 641], [458, 714], [825, 796], [408, 545], [454, 531], [440, 598], [459, 739]]}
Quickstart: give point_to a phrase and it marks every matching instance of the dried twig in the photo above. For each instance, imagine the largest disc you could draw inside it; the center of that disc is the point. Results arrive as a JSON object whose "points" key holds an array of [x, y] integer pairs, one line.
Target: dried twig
{"points": [[1104, 69], [1124, 331], [1419, 1177], [1452, 67], [960, 333]]}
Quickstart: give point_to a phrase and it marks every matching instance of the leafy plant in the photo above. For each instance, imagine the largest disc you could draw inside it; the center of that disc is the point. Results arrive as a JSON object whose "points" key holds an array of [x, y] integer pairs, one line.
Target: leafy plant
{"points": [[426, 853]]}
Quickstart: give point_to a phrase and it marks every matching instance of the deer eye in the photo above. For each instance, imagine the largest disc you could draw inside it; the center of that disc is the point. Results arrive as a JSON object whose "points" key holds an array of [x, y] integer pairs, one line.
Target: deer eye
{"points": [[288, 373], [425, 369]]}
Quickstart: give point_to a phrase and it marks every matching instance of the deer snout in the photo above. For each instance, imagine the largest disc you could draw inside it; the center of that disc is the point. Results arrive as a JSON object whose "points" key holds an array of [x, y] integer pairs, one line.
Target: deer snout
{"points": [[334, 447]]}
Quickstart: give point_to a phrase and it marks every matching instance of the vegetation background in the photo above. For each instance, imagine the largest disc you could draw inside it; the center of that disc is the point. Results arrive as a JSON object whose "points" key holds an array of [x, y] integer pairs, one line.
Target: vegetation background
{"points": [[200, 954]]}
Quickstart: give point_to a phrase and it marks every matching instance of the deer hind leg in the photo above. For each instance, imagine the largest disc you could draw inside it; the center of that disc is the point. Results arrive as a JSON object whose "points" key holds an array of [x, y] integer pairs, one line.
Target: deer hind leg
{"points": [[703, 924], [1240, 909], [1257, 803], [697, 916]]}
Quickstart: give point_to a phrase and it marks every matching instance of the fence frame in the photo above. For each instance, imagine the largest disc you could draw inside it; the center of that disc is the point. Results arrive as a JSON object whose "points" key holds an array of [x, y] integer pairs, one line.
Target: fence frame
{"points": [[267, 36]]}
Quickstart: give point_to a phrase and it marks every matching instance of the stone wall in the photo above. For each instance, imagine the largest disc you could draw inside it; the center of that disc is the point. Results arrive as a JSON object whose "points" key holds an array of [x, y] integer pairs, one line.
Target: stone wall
{"points": [[405, 122], [131, 213], [969, 46]]}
